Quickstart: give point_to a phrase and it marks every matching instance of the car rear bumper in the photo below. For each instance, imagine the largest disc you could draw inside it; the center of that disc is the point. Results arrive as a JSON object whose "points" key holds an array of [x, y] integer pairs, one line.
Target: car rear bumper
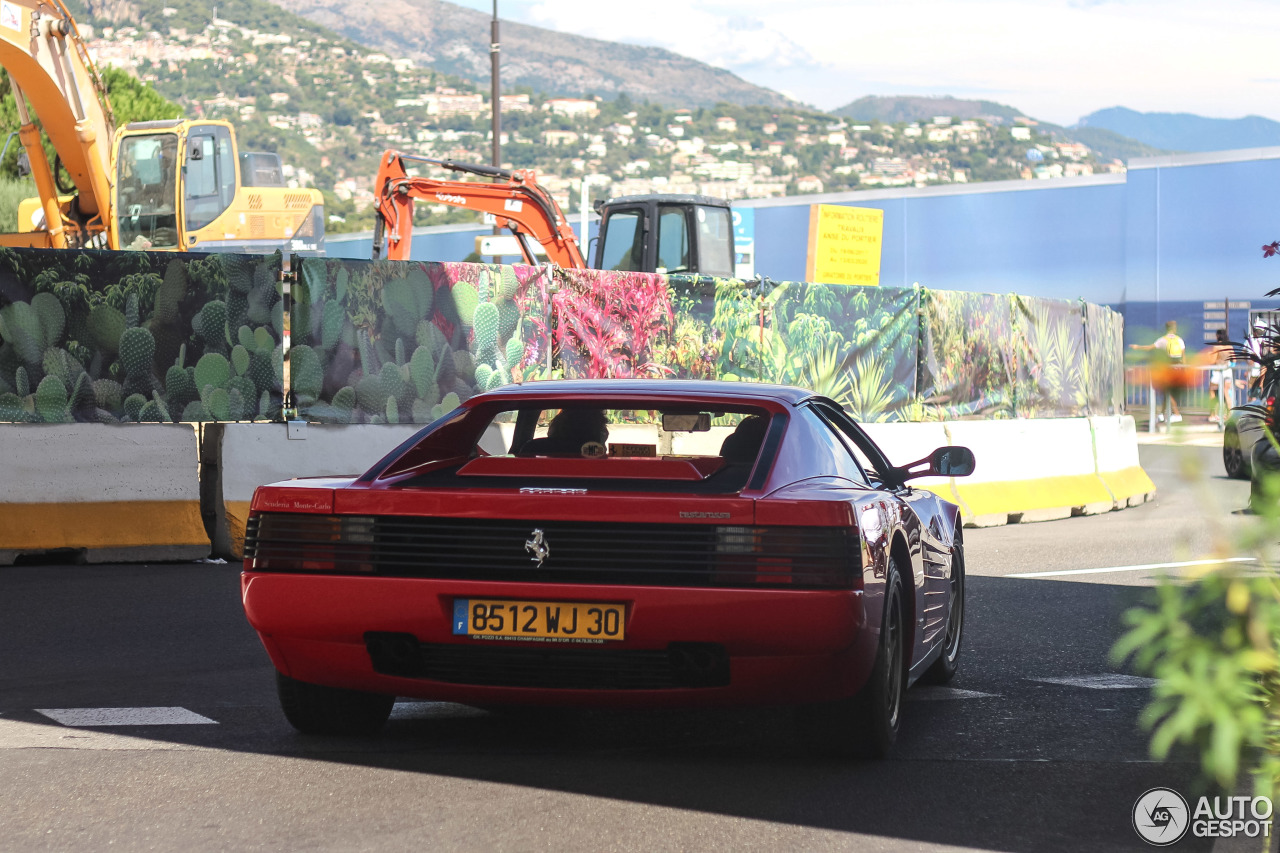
{"points": [[780, 646]]}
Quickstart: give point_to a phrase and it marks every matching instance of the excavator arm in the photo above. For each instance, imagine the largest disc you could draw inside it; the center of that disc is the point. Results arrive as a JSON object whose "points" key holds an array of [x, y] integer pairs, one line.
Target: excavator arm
{"points": [[49, 67], [512, 196]]}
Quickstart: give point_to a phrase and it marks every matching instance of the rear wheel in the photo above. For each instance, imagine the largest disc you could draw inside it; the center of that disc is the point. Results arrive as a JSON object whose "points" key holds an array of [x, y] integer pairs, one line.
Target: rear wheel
{"points": [[1232, 456], [316, 710], [866, 725], [945, 667]]}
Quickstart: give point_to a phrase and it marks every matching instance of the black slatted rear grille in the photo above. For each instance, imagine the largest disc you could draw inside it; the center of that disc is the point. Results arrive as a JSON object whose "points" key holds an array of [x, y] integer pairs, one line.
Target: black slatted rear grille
{"points": [[576, 552], [556, 667]]}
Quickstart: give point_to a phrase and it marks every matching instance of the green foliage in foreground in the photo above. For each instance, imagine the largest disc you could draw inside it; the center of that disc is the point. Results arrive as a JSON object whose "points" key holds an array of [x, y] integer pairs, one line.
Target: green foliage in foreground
{"points": [[1213, 643]]}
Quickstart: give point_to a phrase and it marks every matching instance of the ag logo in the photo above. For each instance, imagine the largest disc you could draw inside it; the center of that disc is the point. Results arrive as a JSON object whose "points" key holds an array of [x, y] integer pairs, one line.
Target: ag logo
{"points": [[1161, 817]]}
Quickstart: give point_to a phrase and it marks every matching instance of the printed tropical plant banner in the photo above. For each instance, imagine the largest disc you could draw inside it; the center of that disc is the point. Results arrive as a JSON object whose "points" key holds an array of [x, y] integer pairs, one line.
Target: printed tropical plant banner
{"points": [[856, 345], [405, 342], [1104, 359], [116, 337], [1049, 334]]}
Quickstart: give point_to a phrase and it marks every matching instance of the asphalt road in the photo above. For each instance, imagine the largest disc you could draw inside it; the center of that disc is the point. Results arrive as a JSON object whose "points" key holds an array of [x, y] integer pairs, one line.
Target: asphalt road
{"points": [[1016, 755]]}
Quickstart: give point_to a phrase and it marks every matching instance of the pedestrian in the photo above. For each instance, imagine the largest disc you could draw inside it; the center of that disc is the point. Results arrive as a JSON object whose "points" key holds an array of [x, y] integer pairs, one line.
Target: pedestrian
{"points": [[1173, 348], [1222, 381]]}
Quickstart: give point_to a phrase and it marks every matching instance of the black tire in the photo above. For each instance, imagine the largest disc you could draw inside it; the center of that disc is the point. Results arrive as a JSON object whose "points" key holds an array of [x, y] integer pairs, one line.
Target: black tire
{"points": [[866, 725], [948, 663], [1233, 458], [316, 710]]}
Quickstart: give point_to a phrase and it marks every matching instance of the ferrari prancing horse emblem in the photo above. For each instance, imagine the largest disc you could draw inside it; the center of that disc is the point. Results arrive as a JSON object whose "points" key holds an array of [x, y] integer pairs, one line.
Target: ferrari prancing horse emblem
{"points": [[538, 547]]}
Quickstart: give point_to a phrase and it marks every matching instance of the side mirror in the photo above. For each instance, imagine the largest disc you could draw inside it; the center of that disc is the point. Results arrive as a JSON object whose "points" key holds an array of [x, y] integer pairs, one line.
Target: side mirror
{"points": [[953, 461]]}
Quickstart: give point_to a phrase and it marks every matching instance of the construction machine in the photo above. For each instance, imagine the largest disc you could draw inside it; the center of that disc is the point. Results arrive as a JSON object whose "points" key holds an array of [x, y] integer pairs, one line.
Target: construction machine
{"points": [[651, 233], [177, 185]]}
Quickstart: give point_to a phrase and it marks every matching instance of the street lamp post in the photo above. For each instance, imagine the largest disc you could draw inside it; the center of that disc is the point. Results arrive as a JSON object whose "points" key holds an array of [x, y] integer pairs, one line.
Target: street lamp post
{"points": [[495, 98]]}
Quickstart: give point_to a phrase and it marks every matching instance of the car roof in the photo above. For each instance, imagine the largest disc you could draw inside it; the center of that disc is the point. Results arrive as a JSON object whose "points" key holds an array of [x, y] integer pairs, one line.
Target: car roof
{"points": [[675, 389]]}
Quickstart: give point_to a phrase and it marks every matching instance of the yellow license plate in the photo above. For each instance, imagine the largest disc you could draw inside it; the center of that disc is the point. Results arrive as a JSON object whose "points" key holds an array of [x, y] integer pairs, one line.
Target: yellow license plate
{"points": [[553, 621]]}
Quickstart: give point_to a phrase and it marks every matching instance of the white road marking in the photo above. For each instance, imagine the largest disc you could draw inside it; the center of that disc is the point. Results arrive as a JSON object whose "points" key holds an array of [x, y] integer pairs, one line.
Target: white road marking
{"points": [[83, 717], [18, 735], [1112, 681], [1143, 568], [936, 694]]}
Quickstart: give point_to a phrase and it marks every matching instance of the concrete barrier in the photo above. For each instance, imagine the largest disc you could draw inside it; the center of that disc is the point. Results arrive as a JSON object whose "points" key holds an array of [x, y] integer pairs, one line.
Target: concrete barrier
{"points": [[1115, 443], [125, 493], [111, 493], [1029, 470], [237, 458]]}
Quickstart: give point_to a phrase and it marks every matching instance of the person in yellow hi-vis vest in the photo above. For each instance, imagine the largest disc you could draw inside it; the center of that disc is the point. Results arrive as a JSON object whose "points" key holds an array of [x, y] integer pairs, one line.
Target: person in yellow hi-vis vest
{"points": [[1168, 376]]}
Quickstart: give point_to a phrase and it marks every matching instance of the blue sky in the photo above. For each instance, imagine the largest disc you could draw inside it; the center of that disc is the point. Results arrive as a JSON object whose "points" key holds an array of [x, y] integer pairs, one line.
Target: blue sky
{"points": [[1056, 60]]}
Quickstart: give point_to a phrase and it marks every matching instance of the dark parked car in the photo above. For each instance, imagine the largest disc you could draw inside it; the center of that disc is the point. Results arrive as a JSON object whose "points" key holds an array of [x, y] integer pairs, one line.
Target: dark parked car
{"points": [[1242, 433], [616, 544]]}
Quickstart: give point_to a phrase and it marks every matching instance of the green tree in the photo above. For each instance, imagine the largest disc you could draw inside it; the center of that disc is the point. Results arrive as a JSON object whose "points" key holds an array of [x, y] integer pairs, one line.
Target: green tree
{"points": [[132, 100]]}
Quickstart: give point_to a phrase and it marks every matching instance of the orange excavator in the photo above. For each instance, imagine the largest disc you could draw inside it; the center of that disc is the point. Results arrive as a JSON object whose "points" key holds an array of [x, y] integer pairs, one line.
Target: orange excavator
{"points": [[519, 204], [690, 234]]}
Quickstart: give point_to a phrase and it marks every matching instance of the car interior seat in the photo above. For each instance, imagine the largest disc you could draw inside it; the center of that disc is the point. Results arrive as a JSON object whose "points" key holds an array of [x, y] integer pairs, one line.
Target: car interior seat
{"points": [[743, 444], [568, 432]]}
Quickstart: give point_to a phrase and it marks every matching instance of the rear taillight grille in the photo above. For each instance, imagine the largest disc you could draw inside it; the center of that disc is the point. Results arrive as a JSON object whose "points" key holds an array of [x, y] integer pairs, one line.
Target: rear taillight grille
{"points": [[571, 552]]}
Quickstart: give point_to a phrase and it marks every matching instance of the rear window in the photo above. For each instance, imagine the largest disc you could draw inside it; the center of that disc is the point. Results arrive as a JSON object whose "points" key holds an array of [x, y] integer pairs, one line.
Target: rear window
{"points": [[704, 449]]}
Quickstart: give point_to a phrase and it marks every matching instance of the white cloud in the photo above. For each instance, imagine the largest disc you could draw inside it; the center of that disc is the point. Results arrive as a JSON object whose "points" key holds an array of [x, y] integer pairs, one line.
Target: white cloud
{"points": [[1054, 59]]}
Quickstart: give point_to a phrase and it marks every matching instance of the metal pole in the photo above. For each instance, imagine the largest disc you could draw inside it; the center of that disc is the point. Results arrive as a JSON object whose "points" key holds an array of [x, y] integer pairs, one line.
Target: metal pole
{"points": [[493, 65], [495, 103], [583, 208], [1151, 399]]}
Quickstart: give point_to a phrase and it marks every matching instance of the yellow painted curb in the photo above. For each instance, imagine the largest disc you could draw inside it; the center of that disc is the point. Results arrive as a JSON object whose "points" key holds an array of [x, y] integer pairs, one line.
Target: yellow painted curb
{"points": [[1012, 496], [110, 524], [237, 514], [1128, 482]]}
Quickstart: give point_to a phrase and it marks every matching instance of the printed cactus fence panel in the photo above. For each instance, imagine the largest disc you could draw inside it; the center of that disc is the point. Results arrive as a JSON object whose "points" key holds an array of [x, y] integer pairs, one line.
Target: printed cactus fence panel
{"points": [[403, 342], [113, 337]]}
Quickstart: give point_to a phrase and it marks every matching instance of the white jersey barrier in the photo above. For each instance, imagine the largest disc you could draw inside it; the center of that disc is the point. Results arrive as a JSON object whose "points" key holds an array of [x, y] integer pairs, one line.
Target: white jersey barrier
{"points": [[133, 492], [238, 458], [110, 493], [1030, 470], [1115, 442]]}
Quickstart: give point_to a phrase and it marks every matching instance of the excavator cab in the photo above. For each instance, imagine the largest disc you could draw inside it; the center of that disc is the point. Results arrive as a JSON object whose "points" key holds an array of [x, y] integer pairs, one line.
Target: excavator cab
{"points": [[687, 234], [179, 187], [146, 189]]}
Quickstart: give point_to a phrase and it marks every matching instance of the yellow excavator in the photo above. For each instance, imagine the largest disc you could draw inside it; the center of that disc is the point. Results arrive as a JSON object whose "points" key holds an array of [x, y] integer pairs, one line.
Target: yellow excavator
{"points": [[175, 185]]}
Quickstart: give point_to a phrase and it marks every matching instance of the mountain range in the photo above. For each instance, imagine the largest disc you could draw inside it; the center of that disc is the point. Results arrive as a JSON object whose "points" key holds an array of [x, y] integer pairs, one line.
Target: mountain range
{"points": [[1184, 131], [455, 40], [895, 108]]}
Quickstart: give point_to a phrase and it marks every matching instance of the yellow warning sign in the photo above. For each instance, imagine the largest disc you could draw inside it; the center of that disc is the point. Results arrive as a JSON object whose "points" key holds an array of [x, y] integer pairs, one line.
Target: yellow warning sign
{"points": [[844, 244]]}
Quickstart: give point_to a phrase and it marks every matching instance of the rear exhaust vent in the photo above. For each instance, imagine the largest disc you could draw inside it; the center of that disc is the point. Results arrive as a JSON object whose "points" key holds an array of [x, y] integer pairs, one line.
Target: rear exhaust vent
{"points": [[679, 665]]}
